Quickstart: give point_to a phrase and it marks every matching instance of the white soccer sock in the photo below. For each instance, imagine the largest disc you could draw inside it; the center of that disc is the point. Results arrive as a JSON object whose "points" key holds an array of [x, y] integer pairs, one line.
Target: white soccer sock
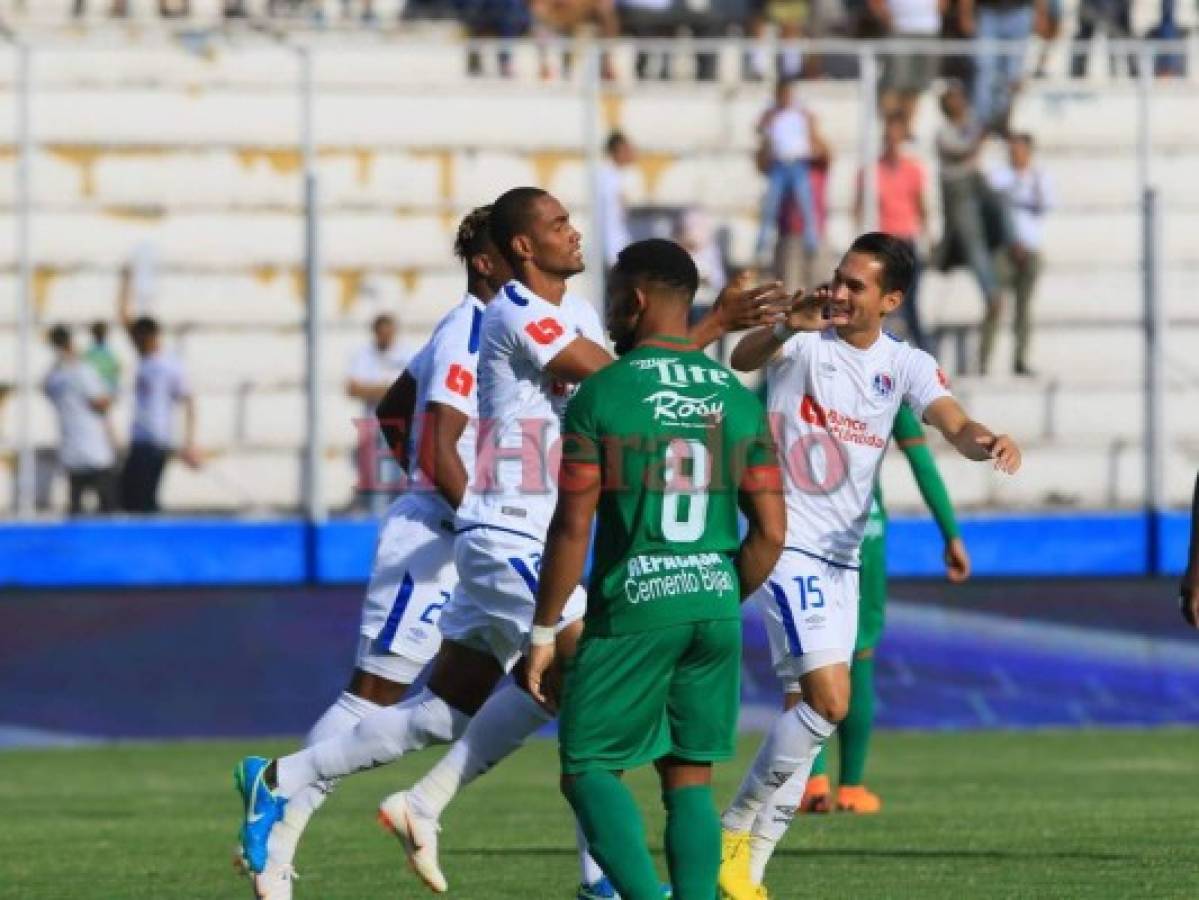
{"points": [[378, 739], [773, 820], [339, 718], [589, 870], [500, 726], [789, 750]]}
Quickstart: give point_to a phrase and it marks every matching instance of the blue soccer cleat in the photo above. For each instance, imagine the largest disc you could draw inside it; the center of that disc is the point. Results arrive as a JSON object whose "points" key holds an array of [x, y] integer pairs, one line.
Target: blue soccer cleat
{"points": [[263, 810], [603, 890]]}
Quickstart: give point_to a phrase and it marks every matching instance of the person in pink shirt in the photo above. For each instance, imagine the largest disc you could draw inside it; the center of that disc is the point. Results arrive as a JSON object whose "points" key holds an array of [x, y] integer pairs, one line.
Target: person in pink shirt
{"points": [[899, 181]]}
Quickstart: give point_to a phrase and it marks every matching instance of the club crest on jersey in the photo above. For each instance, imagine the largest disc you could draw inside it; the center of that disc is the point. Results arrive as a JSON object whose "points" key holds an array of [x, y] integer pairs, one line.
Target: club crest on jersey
{"points": [[883, 384]]}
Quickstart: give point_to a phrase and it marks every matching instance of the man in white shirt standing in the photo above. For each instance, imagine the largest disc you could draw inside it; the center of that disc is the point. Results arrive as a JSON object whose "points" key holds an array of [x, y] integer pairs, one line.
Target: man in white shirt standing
{"points": [[1028, 194], [374, 367], [160, 383], [835, 383], [785, 158], [614, 213], [907, 75], [81, 400]]}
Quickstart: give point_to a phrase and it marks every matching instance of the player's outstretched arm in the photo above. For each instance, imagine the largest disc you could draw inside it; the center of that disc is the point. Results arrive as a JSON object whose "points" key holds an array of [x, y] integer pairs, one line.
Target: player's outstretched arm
{"points": [[806, 312], [911, 440], [972, 439], [761, 500], [579, 359], [561, 567], [394, 413], [741, 305], [1190, 579]]}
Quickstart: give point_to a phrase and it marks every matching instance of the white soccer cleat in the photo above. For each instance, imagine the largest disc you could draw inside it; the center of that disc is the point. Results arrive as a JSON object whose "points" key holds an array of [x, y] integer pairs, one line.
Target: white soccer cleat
{"points": [[418, 834], [275, 881]]}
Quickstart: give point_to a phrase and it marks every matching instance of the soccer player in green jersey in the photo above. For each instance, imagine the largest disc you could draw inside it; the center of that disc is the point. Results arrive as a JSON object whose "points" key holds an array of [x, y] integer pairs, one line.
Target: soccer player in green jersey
{"points": [[664, 445], [854, 731]]}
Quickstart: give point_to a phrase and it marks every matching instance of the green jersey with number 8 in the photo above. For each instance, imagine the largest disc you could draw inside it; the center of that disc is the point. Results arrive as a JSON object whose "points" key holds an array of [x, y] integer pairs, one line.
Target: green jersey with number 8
{"points": [[673, 433]]}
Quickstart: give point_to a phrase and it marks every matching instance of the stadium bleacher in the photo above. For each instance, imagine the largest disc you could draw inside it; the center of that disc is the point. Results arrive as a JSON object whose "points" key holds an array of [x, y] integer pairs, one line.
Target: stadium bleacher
{"points": [[197, 153]]}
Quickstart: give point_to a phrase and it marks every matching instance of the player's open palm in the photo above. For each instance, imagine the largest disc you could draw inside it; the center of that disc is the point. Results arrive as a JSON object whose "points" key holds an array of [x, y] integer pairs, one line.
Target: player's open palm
{"points": [[815, 310], [746, 305]]}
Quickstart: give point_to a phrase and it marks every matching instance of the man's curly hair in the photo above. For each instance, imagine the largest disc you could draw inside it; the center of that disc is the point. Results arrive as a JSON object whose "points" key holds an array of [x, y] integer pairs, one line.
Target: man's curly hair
{"points": [[473, 234]]}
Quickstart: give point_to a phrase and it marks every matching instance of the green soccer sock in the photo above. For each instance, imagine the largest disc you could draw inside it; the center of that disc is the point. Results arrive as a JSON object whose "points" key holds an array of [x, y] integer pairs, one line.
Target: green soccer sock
{"points": [[610, 819], [692, 842], [820, 767], [859, 723]]}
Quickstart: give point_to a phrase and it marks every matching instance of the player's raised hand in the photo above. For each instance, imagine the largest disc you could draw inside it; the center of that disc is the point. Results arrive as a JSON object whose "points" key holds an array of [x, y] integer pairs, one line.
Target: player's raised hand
{"points": [[1189, 597], [536, 675], [815, 310], [743, 304], [957, 561], [1003, 450]]}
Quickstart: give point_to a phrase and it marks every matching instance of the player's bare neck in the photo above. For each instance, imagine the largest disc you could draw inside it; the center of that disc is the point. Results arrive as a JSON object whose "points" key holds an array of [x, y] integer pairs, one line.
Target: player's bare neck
{"points": [[551, 288], [860, 340]]}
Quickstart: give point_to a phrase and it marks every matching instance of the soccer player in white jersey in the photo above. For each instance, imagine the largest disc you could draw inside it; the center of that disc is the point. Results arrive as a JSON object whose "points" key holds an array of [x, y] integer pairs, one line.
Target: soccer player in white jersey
{"points": [[835, 383], [536, 342], [413, 570]]}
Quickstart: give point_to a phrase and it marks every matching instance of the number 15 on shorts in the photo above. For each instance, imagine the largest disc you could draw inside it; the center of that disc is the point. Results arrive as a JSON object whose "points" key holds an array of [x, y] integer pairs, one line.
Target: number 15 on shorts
{"points": [[808, 595]]}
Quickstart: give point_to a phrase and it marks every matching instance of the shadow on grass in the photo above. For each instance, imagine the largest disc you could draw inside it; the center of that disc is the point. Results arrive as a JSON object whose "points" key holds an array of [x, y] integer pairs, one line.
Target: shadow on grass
{"points": [[837, 853]]}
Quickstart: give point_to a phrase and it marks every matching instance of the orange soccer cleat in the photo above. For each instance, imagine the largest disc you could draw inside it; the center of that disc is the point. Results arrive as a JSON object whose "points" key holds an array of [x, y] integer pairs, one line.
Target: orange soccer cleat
{"points": [[816, 796], [856, 798]]}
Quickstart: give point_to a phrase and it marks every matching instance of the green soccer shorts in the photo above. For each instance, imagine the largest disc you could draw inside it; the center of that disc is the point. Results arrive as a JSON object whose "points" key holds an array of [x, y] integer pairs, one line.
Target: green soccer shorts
{"points": [[630, 699]]}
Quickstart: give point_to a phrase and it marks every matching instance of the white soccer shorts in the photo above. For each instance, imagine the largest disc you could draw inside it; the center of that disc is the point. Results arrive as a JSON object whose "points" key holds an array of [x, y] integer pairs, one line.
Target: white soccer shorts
{"points": [[492, 606], [810, 607], [411, 581]]}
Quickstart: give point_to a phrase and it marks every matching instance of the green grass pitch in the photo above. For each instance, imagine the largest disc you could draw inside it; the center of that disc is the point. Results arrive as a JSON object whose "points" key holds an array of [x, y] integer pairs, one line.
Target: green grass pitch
{"points": [[1036, 815]]}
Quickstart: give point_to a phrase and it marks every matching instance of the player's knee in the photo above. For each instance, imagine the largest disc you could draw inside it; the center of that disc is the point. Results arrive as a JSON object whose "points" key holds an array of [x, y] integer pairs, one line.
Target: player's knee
{"points": [[832, 707]]}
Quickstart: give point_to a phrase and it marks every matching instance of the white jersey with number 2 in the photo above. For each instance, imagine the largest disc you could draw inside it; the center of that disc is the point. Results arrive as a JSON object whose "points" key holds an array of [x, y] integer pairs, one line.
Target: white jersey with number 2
{"points": [[832, 408]]}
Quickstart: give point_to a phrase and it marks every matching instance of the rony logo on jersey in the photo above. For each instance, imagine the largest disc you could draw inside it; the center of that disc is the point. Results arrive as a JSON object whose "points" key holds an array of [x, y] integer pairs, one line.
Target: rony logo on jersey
{"points": [[676, 408]]}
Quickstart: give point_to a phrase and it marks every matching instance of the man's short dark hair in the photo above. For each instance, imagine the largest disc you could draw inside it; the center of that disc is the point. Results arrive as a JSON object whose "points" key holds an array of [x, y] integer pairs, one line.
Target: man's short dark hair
{"points": [[895, 255], [144, 327], [1023, 137], [60, 337], [382, 319], [510, 216], [99, 331], [661, 262], [615, 139], [472, 234]]}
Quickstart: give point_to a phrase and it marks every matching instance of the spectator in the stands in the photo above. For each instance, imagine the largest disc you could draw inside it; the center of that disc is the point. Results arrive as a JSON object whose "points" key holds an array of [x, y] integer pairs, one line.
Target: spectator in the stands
{"points": [[998, 73], [81, 400], [1028, 194], [696, 232], [555, 19], [907, 75], [613, 207], [793, 264], [973, 218], [492, 19], [373, 368], [789, 18], [899, 181], [160, 384], [101, 358], [785, 153], [1111, 17], [649, 19]]}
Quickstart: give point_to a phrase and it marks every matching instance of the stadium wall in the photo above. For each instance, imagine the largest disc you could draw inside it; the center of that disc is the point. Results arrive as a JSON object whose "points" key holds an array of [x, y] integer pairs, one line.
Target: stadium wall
{"points": [[221, 552]]}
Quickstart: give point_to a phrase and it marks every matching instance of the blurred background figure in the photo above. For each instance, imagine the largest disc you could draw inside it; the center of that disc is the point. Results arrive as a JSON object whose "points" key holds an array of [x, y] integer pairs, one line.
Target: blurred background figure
{"points": [[373, 368], [614, 213], [697, 233], [81, 401], [555, 19], [492, 19], [1113, 19], [1028, 195], [907, 75], [973, 219], [101, 358], [160, 384], [900, 184], [790, 19], [793, 263], [785, 153], [998, 72]]}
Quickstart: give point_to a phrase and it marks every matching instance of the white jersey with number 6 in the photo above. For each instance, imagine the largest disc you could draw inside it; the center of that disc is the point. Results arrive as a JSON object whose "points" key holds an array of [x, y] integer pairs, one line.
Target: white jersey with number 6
{"points": [[832, 408]]}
